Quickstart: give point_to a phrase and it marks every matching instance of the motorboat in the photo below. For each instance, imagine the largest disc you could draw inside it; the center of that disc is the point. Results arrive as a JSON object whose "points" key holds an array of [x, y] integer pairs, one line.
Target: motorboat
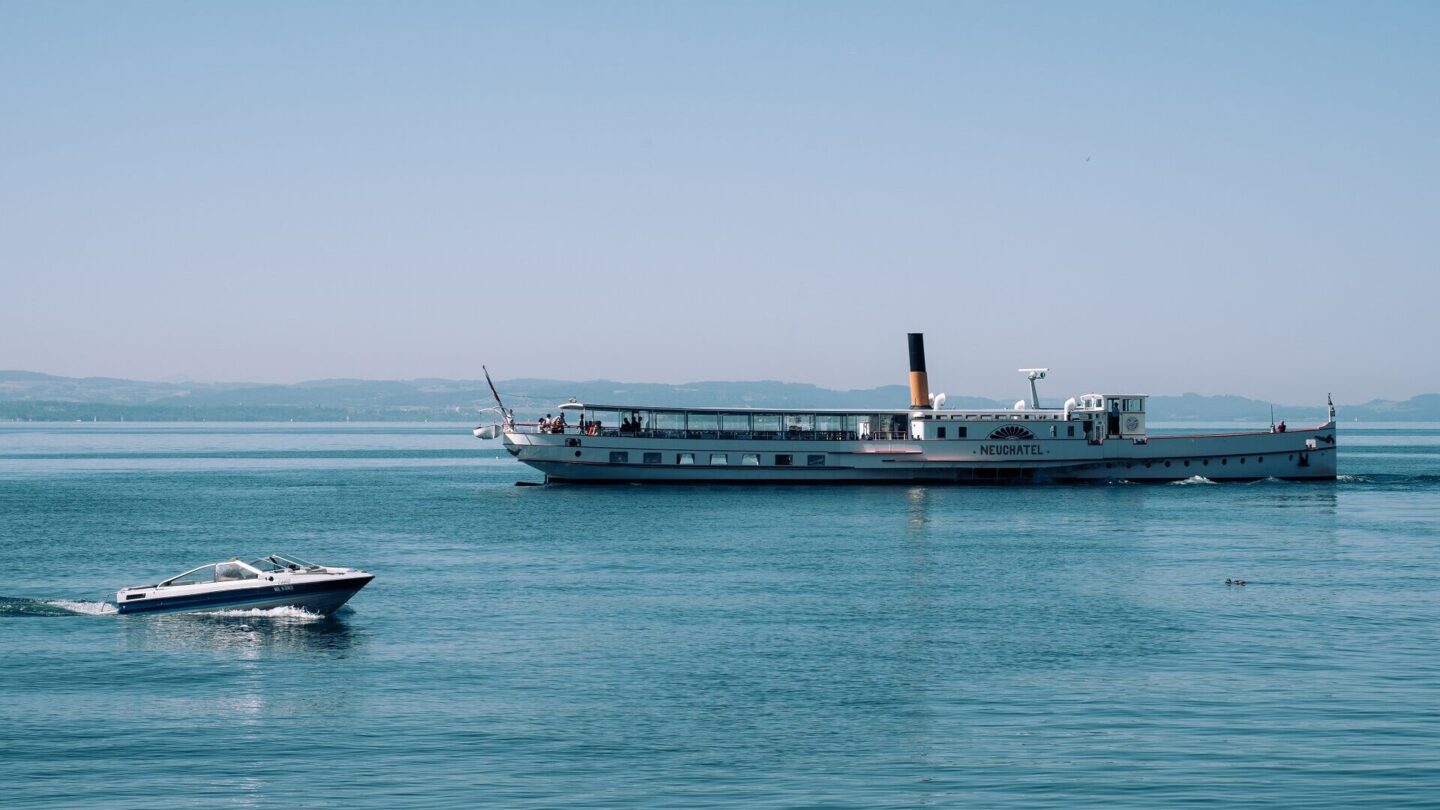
{"points": [[278, 580]]}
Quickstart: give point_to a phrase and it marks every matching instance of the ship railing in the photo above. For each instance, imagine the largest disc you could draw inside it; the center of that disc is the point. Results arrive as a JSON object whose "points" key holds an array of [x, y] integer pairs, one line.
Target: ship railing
{"points": [[720, 435], [726, 435]]}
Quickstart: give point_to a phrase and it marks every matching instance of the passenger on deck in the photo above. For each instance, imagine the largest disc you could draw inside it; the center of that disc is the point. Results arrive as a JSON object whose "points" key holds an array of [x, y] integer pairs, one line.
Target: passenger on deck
{"points": [[1280, 428]]}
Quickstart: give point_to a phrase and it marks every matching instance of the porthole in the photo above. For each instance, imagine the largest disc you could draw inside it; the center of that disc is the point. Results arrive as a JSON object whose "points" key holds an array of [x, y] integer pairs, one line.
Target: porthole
{"points": [[1187, 462], [1129, 466], [1224, 461], [1205, 463], [1242, 459], [1108, 466], [1147, 465], [577, 453], [1290, 457], [1260, 459], [1167, 464]]}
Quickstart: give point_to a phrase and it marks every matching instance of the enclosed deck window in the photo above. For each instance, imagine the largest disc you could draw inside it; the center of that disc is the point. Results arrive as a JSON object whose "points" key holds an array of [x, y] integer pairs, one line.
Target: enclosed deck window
{"points": [[750, 459], [799, 423], [619, 457], [719, 458], [652, 458], [766, 422], [815, 460], [685, 458], [784, 459], [735, 422]]}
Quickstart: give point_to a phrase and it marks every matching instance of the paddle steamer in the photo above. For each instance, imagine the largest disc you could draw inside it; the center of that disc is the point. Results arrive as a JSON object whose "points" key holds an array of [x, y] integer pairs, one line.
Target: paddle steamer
{"points": [[1095, 437]]}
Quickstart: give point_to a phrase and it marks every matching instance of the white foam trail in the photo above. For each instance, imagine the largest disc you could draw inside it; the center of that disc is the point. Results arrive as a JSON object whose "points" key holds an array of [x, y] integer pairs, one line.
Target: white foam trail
{"points": [[87, 608], [1349, 478], [285, 612], [1194, 479]]}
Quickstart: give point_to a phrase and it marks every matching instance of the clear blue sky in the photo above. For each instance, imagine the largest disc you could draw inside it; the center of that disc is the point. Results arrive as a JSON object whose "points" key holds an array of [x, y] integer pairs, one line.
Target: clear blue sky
{"points": [[1217, 197]]}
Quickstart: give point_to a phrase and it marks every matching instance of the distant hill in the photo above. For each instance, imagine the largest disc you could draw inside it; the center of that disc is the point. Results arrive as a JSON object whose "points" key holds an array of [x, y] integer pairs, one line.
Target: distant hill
{"points": [[26, 395]]}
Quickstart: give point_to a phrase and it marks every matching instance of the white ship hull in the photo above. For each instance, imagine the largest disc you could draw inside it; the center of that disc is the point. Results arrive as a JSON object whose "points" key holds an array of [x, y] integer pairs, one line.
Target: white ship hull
{"points": [[1295, 455]]}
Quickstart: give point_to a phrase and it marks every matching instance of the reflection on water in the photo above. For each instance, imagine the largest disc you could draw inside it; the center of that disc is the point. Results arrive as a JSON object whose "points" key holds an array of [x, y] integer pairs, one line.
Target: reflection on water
{"points": [[915, 503], [252, 636]]}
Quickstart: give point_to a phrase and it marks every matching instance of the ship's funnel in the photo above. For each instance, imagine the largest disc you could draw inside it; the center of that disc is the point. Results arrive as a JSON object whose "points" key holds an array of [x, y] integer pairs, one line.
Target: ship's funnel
{"points": [[919, 384]]}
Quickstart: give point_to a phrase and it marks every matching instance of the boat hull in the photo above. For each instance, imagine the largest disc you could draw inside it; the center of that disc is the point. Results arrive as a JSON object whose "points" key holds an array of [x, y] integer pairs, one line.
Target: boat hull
{"points": [[1305, 454], [323, 597]]}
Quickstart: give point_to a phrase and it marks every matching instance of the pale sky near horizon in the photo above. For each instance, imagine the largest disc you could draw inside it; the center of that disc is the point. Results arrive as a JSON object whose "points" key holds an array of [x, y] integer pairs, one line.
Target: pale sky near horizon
{"points": [[1166, 197]]}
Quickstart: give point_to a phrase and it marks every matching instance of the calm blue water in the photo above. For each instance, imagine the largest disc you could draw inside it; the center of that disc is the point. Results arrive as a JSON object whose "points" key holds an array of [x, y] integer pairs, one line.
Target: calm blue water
{"points": [[704, 646]]}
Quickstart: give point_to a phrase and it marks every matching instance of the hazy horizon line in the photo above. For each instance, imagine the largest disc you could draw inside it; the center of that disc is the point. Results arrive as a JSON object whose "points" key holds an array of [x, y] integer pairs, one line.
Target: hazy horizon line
{"points": [[481, 382]]}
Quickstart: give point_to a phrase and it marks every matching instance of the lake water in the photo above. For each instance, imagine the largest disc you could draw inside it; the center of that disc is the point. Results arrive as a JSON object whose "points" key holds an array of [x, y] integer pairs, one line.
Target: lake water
{"points": [[710, 646]]}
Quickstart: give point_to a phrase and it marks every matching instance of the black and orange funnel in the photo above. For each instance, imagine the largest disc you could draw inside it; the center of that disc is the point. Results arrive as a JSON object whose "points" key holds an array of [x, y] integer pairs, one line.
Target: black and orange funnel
{"points": [[919, 384]]}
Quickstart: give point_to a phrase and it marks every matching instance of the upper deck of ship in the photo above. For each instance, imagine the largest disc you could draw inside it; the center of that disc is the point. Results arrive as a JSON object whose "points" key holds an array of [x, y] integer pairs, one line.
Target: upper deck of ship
{"points": [[1089, 403]]}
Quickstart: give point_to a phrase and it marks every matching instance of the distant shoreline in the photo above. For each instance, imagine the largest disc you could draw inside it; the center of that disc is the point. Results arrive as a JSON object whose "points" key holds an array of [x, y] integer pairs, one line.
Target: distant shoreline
{"points": [[33, 397]]}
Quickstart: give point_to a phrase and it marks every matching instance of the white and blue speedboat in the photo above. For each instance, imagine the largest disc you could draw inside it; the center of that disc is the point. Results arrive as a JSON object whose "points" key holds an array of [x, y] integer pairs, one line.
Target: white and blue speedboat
{"points": [[269, 582]]}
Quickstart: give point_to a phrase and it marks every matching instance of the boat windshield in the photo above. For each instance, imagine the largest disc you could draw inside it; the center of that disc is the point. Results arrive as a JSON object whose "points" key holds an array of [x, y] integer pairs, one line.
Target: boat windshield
{"points": [[231, 571], [280, 562], [195, 576]]}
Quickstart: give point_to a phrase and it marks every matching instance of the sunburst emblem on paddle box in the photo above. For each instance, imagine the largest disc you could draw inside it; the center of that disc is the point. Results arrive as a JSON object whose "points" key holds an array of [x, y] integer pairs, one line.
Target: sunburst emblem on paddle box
{"points": [[1012, 432]]}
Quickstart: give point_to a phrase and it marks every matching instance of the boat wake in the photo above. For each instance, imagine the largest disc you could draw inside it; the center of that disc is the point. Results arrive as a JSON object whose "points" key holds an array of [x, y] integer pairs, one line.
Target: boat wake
{"points": [[12, 606], [287, 613], [85, 608], [18, 606], [1194, 479]]}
